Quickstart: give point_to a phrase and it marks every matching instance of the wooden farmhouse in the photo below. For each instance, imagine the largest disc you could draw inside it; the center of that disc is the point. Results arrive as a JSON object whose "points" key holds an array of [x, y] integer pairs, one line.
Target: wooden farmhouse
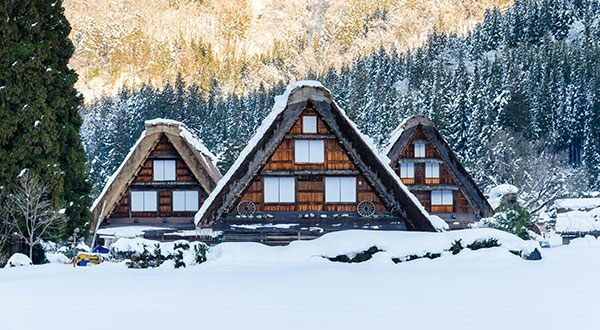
{"points": [[161, 183], [427, 166], [308, 171]]}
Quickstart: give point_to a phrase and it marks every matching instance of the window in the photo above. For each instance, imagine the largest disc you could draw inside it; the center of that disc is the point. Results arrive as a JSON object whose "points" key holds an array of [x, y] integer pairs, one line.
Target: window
{"points": [[143, 201], [185, 200], [432, 170], [309, 124], [340, 190], [407, 170], [164, 170], [280, 190], [419, 150], [309, 151], [441, 197]]}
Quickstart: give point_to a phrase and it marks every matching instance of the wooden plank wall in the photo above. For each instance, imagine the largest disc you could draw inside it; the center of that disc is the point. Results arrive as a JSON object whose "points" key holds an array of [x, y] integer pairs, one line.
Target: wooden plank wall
{"points": [[310, 189]]}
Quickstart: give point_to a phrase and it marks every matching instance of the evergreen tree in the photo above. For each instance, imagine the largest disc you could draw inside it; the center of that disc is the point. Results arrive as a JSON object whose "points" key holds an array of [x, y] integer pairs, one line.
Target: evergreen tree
{"points": [[39, 118]]}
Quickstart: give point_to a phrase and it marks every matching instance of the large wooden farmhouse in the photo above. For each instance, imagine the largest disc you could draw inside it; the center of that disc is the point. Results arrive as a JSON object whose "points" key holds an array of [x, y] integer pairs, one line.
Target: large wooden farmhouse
{"points": [[161, 183], [308, 171], [425, 163]]}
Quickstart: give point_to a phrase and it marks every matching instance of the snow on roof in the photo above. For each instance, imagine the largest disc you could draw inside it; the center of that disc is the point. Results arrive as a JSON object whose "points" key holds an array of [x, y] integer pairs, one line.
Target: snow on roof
{"points": [[280, 104], [395, 136], [114, 175], [577, 203], [578, 221], [190, 137]]}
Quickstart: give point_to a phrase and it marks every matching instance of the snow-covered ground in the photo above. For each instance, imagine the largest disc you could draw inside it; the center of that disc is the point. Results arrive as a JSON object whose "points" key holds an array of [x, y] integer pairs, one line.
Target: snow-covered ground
{"points": [[483, 289]]}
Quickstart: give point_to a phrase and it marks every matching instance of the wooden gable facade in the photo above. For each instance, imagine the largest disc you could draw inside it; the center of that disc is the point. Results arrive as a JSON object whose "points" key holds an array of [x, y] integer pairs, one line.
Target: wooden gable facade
{"points": [[427, 166], [308, 173], [162, 182]]}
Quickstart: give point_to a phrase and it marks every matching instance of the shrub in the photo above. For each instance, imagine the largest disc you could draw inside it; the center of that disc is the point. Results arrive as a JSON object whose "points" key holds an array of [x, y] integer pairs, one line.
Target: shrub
{"points": [[486, 243], [359, 257], [456, 246], [200, 253]]}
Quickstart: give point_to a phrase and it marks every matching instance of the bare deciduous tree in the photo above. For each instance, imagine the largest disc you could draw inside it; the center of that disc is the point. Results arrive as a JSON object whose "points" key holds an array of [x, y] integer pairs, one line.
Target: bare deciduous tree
{"points": [[5, 227], [31, 211]]}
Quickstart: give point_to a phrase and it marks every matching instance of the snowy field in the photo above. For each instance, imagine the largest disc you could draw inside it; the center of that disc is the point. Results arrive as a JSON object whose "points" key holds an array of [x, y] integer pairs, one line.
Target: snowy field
{"points": [[484, 289]]}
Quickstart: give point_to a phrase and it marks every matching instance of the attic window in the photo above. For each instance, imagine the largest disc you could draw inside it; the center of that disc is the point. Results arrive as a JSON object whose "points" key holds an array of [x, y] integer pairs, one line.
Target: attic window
{"points": [[419, 150], [185, 200], [164, 170], [280, 190], [309, 151], [340, 190], [143, 201], [309, 124]]}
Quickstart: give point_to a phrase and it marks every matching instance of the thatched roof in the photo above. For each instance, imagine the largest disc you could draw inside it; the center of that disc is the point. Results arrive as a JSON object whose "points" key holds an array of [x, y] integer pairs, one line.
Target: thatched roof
{"points": [[401, 136], [197, 157], [269, 136]]}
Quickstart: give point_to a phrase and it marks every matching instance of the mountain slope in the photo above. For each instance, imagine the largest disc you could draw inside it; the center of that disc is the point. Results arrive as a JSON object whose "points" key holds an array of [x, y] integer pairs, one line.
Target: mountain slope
{"points": [[243, 43]]}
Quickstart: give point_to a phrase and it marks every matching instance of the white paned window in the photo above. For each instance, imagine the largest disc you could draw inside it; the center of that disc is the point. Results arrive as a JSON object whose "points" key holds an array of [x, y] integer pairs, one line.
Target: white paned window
{"points": [[432, 170], [419, 150], [309, 124], [280, 190], [143, 201], [309, 151], [340, 189], [441, 197], [407, 170], [185, 200], [164, 170]]}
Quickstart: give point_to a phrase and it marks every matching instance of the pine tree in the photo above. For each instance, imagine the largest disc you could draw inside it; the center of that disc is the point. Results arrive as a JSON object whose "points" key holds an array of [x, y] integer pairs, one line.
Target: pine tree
{"points": [[39, 118]]}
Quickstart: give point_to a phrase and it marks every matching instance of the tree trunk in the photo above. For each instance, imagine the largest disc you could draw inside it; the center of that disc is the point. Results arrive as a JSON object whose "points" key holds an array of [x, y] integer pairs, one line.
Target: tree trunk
{"points": [[31, 252]]}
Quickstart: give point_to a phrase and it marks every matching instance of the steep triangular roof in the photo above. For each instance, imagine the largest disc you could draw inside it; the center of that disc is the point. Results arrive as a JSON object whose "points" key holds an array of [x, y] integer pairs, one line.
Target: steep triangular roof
{"points": [[278, 123], [401, 136], [197, 157]]}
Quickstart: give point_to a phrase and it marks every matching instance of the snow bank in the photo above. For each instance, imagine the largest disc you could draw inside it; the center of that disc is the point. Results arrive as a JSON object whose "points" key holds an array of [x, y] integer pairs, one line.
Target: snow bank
{"points": [[127, 231], [18, 260], [56, 258], [495, 194], [396, 244]]}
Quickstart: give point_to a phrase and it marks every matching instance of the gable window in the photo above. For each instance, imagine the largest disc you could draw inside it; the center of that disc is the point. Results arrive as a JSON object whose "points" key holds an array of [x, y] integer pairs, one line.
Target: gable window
{"points": [[143, 201], [419, 150], [185, 200], [432, 173], [441, 201], [280, 190], [309, 124], [309, 151], [340, 189], [164, 170], [407, 173]]}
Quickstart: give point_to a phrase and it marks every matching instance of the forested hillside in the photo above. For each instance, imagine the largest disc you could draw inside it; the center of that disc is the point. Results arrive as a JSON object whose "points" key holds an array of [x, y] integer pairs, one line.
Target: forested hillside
{"points": [[518, 99], [245, 42]]}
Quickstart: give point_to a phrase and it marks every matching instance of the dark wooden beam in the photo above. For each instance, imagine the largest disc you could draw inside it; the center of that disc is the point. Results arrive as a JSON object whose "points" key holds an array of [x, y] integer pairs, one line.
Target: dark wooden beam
{"points": [[311, 172]]}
